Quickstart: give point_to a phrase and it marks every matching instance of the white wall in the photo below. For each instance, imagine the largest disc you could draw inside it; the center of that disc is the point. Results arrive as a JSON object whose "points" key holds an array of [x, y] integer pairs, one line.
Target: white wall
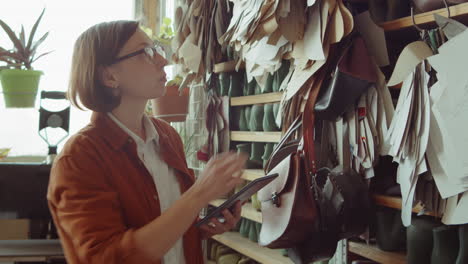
{"points": [[65, 19]]}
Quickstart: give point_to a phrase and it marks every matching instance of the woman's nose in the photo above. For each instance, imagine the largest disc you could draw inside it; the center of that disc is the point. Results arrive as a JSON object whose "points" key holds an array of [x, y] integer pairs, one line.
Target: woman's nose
{"points": [[160, 60]]}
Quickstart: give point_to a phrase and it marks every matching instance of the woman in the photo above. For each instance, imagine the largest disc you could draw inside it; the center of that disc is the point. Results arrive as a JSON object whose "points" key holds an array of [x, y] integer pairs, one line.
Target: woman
{"points": [[120, 190]]}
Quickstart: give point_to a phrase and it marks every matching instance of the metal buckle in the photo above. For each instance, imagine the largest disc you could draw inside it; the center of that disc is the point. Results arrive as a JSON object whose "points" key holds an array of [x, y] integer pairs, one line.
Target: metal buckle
{"points": [[275, 199]]}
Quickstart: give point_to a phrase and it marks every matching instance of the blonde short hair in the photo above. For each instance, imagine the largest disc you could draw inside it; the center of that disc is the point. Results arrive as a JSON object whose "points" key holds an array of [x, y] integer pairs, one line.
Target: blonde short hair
{"points": [[96, 47]]}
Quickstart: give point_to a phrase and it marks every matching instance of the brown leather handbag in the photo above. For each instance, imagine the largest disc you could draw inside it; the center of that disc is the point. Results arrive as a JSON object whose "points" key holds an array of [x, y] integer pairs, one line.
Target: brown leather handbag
{"points": [[289, 209]]}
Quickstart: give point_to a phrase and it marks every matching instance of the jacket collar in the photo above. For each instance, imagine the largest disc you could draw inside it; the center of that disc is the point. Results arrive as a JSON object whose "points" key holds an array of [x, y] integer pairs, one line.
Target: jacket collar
{"points": [[109, 130], [118, 139]]}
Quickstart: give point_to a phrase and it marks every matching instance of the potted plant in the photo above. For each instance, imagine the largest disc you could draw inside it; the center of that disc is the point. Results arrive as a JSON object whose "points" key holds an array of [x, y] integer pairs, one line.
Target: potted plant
{"points": [[18, 78], [166, 34], [173, 106], [164, 38]]}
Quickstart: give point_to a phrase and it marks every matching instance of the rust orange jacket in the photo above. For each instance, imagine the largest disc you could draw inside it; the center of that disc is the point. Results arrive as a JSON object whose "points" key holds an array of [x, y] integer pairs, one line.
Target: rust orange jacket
{"points": [[100, 193]]}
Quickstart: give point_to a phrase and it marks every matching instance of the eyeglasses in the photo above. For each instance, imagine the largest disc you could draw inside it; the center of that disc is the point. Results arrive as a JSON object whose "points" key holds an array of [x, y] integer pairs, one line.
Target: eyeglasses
{"points": [[149, 51]]}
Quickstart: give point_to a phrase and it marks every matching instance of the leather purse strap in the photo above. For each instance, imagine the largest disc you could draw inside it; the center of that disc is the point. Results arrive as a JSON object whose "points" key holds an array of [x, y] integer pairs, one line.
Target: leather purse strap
{"points": [[308, 120], [284, 139]]}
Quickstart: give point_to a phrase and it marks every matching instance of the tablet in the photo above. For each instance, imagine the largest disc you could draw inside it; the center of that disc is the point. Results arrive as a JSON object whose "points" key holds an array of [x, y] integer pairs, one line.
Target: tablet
{"points": [[243, 195]]}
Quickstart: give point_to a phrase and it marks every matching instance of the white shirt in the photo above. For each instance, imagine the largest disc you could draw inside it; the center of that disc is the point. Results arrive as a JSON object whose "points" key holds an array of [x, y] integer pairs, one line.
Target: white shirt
{"points": [[164, 177]]}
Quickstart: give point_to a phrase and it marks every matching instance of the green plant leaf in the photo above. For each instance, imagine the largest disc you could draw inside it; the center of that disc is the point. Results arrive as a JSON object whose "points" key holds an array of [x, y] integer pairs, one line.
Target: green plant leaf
{"points": [[167, 21], [12, 36], [37, 43], [22, 37], [38, 57], [11, 55], [33, 30]]}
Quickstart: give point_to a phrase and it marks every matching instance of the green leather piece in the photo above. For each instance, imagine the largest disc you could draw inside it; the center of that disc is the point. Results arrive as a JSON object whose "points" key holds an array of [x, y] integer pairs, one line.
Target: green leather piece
{"points": [[253, 232], [256, 118], [463, 242], [249, 87], [229, 259], [245, 87], [267, 153], [224, 83], [269, 84], [244, 260], [276, 82], [237, 84], [248, 112], [269, 123], [446, 245], [258, 148], [256, 204], [213, 250], [245, 228], [247, 149], [391, 234], [230, 53], [420, 240], [276, 107], [258, 89], [235, 114], [243, 121], [222, 250], [259, 228], [283, 70]]}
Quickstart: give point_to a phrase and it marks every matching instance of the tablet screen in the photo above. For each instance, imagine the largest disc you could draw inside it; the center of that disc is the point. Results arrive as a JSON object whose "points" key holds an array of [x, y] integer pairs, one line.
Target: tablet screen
{"points": [[243, 195]]}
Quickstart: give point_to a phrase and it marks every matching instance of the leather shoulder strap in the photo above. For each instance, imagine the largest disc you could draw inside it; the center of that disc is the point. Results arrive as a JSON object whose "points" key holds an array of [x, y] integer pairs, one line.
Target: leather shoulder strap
{"points": [[308, 120]]}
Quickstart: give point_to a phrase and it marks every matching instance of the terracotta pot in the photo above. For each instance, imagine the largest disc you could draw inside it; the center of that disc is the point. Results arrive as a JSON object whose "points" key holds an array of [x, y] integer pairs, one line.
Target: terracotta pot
{"points": [[172, 107]]}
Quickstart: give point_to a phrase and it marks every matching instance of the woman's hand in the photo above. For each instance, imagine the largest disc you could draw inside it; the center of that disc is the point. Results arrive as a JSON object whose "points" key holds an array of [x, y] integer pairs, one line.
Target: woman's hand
{"points": [[215, 227], [221, 174]]}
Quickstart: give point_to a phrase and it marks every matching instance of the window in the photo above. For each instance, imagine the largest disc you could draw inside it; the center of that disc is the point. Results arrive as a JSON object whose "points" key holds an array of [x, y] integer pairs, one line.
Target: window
{"points": [[65, 20]]}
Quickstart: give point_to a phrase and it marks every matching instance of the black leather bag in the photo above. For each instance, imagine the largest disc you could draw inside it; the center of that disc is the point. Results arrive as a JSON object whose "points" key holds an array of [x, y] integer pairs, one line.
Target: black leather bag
{"points": [[387, 10], [348, 78], [429, 5]]}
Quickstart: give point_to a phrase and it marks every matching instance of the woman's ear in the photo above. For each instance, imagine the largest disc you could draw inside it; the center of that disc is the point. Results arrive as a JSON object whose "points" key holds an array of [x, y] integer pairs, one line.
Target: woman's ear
{"points": [[108, 77]]}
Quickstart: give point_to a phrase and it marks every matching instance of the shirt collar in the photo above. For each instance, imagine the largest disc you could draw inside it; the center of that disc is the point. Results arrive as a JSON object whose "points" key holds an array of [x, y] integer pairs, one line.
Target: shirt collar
{"points": [[150, 131]]}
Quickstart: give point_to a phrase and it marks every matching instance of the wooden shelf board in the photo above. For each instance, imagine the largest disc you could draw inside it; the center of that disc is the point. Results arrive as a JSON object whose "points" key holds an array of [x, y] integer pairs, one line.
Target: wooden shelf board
{"points": [[372, 252], [250, 249], [252, 174], [228, 66], [395, 203], [257, 99], [424, 18], [247, 210], [253, 136]]}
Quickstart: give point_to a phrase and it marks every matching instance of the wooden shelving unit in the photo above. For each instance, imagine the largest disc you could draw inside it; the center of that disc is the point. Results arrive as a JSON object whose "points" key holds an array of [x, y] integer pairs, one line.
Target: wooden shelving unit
{"points": [[458, 11], [252, 174], [257, 99], [248, 211], [372, 252], [255, 136], [252, 250], [395, 203], [227, 66]]}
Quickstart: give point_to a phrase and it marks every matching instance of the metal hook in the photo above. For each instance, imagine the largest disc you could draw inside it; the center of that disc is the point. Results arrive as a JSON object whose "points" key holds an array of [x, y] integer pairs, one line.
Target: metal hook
{"points": [[420, 29]]}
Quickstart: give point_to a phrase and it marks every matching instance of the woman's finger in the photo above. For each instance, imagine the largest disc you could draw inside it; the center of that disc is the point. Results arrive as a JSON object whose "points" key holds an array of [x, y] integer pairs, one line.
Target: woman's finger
{"points": [[238, 211], [220, 226], [208, 230], [229, 217]]}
